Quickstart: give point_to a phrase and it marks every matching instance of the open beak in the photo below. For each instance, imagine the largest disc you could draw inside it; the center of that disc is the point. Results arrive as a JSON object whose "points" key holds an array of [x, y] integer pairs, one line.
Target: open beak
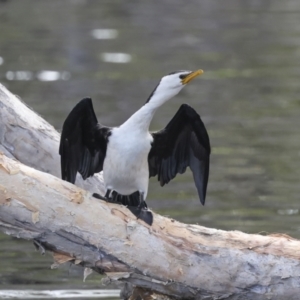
{"points": [[191, 76]]}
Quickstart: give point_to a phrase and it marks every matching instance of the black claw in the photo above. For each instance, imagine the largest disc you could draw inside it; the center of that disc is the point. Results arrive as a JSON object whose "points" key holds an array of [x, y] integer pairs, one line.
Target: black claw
{"points": [[105, 198], [98, 196], [107, 195], [142, 214], [146, 216]]}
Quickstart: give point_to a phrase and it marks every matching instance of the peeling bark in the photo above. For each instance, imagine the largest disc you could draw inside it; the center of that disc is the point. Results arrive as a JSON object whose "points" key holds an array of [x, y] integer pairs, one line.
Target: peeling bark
{"points": [[170, 258]]}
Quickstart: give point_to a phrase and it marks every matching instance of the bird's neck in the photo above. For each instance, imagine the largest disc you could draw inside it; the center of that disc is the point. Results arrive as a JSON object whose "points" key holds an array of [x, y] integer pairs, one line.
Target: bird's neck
{"points": [[143, 117]]}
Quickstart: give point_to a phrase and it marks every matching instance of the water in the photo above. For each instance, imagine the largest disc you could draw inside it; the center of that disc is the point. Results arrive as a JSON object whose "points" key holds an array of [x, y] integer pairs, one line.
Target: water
{"points": [[53, 53], [61, 294]]}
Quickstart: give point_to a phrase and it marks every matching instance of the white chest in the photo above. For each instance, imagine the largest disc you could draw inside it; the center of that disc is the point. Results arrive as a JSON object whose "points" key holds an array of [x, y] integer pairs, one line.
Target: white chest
{"points": [[125, 167]]}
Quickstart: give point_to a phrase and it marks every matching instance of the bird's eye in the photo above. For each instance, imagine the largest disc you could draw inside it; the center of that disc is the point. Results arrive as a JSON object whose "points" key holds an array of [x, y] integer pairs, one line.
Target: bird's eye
{"points": [[182, 76]]}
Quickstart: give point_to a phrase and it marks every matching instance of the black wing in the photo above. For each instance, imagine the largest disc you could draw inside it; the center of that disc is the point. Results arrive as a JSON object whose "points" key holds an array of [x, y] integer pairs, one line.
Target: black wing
{"points": [[183, 143], [83, 142]]}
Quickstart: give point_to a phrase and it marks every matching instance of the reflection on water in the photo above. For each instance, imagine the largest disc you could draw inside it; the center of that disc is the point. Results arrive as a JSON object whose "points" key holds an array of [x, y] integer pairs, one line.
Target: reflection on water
{"points": [[19, 75], [104, 34], [288, 211], [42, 75], [248, 97], [53, 75], [116, 57]]}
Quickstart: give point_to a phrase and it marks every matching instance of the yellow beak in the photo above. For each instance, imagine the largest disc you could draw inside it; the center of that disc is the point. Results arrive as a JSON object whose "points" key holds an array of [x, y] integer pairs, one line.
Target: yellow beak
{"points": [[191, 76]]}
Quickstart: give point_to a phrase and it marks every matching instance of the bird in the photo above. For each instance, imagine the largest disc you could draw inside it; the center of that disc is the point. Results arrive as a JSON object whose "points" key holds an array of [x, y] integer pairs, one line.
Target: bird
{"points": [[129, 154]]}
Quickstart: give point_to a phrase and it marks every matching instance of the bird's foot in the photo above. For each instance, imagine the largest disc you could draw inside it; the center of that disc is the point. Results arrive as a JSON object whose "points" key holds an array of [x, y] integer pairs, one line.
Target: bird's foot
{"points": [[98, 196], [106, 198], [142, 213]]}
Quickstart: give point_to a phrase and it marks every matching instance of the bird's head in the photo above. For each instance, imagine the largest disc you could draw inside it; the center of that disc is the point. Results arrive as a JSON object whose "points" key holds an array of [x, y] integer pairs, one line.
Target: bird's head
{"points": [[179, 79], [171, 84]]}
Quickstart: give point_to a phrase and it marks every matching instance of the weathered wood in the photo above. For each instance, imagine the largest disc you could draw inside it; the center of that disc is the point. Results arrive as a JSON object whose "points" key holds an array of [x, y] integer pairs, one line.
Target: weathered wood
{"points": [[169, 257], [175, 259], [27, 137]]}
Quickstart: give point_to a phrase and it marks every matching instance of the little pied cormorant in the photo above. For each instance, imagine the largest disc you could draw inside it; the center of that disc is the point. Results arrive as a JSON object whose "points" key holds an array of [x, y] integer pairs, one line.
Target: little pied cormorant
{"points": [[130, 154]]}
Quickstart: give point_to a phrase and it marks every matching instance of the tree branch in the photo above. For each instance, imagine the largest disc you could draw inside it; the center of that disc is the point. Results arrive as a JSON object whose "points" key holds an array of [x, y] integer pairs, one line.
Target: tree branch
{"points": [[175, 259]]}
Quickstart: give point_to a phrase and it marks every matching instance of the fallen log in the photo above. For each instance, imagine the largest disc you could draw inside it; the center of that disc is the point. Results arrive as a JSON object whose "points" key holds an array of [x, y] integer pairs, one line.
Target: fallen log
{"points": [[27, 137], [169, 258]]}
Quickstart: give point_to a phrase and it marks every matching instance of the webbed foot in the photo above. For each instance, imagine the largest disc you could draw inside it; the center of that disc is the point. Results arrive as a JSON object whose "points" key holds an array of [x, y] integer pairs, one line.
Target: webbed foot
{"points": [[142, 213], [98, 196], [106, 198]]}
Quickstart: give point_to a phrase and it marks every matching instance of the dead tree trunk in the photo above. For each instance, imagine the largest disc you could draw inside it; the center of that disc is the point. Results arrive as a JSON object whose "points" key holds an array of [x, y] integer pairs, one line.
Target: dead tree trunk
{"points": [[171, 258], [31, 140]]}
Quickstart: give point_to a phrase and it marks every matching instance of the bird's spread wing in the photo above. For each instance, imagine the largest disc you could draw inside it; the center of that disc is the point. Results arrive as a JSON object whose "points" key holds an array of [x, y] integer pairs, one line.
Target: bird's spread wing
{"points": [[183, 143], [83, 142]]}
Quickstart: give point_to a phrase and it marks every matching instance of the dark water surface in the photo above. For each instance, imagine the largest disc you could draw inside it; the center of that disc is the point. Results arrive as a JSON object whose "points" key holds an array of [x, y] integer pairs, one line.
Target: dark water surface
{"points": [[53, 53]]}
